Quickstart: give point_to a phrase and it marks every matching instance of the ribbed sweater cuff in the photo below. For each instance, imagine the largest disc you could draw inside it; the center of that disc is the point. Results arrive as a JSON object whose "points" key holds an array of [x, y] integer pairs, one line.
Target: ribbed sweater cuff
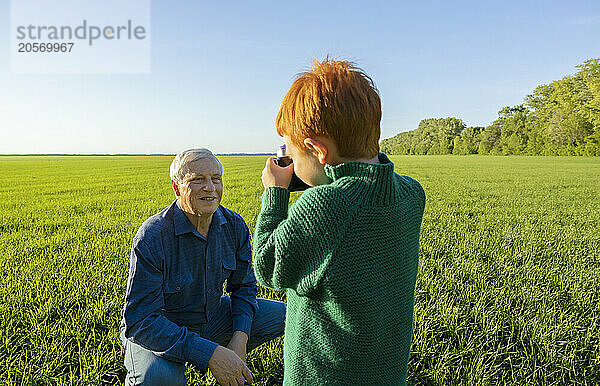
{"points": [[275, 201]]}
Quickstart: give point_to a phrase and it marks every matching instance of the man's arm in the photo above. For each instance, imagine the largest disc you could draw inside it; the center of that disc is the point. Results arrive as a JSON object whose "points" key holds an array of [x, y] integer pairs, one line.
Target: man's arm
{"points": [[293, 250], [146, 326], [242, 284]]}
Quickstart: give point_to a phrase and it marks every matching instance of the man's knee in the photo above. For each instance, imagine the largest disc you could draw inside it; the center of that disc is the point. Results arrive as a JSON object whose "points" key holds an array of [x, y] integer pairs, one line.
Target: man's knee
{"points": [[143, 367], [269, 322], [164, 372]]}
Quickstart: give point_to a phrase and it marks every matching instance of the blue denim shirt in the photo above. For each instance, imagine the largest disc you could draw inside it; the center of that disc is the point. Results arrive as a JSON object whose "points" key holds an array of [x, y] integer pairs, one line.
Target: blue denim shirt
{"points": [[176, 281]]}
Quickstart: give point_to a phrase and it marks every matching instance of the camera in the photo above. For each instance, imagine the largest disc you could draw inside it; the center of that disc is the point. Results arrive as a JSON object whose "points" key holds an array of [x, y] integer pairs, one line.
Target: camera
{"points": [[283, 160]]}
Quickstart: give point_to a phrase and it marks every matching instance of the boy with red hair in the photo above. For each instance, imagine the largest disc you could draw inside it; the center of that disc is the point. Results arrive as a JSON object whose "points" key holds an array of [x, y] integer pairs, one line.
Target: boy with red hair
{"points": [[347, 250]]}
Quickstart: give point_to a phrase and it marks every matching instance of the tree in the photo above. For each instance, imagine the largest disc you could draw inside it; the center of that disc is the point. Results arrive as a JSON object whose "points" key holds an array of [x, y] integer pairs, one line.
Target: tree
{"points": [[560, 118], [468, 141]]}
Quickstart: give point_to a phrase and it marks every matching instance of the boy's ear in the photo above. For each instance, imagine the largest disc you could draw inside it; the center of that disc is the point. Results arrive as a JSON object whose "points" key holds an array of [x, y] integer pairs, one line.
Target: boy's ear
{"points": [[175, 188], [318, 148]]}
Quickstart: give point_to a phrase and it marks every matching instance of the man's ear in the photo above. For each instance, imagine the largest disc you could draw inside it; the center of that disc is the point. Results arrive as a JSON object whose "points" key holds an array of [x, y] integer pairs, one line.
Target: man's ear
{"points": [[175, 188], [318, 148]]}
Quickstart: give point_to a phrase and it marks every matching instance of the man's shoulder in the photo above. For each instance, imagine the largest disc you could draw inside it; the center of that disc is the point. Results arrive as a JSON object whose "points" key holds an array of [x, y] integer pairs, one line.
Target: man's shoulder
{"points": [[233, 220], [230, 215], [156, 225]]}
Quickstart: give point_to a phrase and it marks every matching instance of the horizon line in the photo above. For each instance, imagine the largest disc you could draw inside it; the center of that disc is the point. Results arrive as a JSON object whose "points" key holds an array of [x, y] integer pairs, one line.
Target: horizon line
{"points": [[115, 154]]}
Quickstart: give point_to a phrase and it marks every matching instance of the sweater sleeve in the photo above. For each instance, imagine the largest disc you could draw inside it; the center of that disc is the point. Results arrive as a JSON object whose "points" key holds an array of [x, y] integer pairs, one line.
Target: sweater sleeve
{"points": [[418, 192], [293, 250]]}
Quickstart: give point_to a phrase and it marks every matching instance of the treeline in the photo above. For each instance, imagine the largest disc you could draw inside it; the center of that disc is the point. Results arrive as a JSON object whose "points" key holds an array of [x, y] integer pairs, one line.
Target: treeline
{"points": [[561, 118]]}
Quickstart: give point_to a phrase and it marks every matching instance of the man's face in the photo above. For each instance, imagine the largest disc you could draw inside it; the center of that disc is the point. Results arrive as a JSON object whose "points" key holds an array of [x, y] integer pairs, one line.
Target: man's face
{"points": [[201, 192]]}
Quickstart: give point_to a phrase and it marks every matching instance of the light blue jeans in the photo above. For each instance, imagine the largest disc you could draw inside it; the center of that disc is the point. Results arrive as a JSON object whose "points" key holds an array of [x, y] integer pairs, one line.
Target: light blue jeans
{"points": [[145, 368]]}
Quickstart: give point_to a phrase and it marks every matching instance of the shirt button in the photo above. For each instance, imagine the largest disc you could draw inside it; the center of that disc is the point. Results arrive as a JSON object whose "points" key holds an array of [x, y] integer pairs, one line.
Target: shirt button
{"points": [[178, 288]]}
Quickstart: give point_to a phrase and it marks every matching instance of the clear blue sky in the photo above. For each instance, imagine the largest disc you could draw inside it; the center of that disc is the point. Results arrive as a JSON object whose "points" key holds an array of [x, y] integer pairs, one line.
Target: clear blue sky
{"points": [[219, 72]]}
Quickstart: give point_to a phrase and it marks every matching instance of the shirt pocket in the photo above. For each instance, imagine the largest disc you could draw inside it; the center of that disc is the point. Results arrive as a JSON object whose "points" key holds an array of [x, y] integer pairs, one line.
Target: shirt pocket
{"points": [[178, 292], [228, 266]]}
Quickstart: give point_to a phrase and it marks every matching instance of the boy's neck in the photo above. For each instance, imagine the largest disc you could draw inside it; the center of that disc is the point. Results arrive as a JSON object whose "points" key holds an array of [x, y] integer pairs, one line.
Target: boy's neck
{"points": [[339, 160]]}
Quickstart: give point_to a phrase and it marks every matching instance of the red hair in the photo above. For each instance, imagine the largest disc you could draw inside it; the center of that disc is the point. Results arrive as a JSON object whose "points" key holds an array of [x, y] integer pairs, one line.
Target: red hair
{"points": [[335, 99]]}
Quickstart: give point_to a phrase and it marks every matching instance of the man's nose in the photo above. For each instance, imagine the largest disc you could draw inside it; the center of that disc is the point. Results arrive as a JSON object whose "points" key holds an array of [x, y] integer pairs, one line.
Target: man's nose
{"points": [[209, 186]]}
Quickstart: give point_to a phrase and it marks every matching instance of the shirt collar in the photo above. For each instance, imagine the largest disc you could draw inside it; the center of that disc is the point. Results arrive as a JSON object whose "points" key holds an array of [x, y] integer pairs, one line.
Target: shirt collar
{"points": [[183, 225]]}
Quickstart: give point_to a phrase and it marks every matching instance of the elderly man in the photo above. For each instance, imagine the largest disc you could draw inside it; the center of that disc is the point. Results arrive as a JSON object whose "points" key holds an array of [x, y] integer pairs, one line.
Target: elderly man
{"points": [[175, 311]]}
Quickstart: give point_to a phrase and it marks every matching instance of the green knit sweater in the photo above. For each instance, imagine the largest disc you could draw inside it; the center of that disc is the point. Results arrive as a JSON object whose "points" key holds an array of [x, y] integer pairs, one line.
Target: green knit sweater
{"points": [[347, 254]]}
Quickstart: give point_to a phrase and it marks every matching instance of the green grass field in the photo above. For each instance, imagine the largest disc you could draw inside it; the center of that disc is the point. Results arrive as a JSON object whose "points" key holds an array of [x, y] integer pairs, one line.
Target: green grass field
{"points": [[508, 288]]}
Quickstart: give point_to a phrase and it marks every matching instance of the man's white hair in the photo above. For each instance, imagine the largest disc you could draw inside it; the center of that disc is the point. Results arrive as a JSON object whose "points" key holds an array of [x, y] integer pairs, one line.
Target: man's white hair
{"points": [[181, 160]]}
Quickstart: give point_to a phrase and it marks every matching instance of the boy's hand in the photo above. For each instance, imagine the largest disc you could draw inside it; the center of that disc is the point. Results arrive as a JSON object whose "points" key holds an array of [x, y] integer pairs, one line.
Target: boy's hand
{"points": [[274, 175]]}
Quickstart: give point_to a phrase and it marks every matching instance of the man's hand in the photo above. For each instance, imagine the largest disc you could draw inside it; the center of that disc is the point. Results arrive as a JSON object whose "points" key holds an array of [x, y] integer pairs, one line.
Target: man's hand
{"points": [[274, 175], [227, 368], [238, 344]]}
